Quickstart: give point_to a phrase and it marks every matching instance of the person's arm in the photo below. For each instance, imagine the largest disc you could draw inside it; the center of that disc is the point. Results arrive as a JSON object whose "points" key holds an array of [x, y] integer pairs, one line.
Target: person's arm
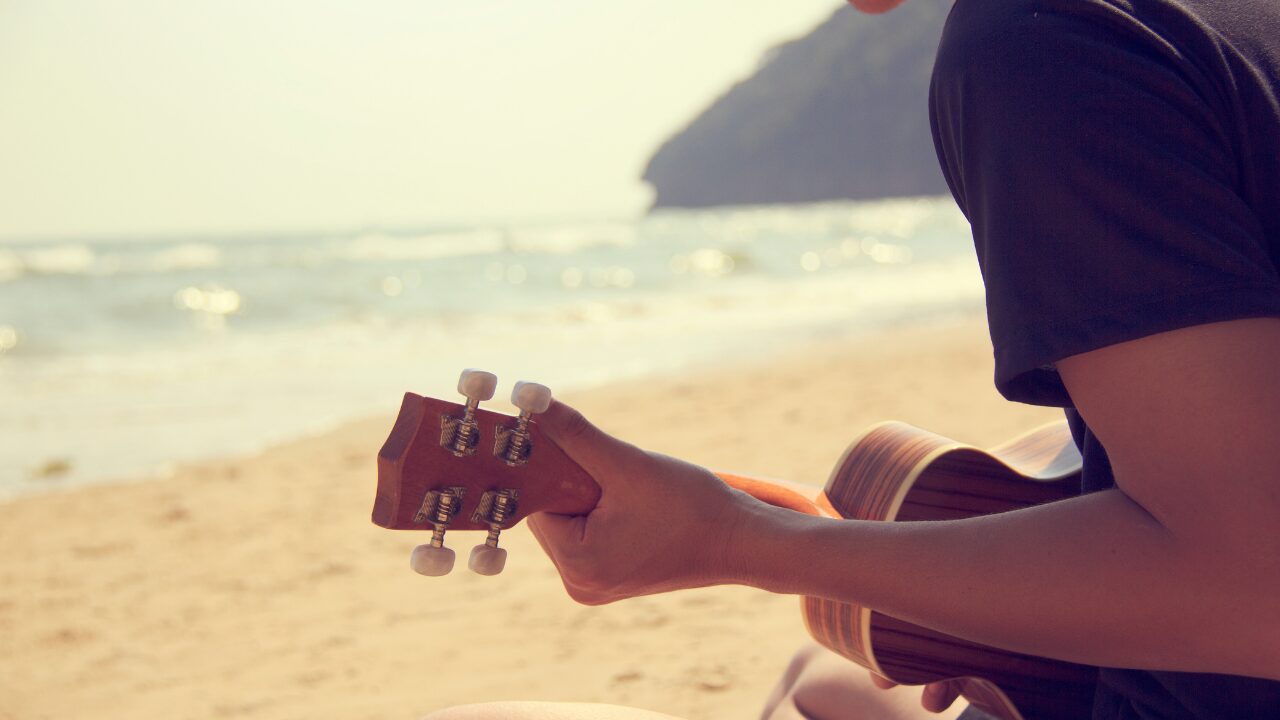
{"points": [[1178, 568]]}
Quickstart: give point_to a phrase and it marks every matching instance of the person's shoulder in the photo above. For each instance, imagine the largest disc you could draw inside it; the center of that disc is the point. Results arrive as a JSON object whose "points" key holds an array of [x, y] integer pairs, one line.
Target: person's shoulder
{"points": [[1183, 26], [1053, 43], [995, 19], [983, 35]]}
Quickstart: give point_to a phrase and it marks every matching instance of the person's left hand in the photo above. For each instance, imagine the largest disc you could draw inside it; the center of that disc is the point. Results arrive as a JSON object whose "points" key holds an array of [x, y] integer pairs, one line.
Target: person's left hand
{"points": [[662, 524]]}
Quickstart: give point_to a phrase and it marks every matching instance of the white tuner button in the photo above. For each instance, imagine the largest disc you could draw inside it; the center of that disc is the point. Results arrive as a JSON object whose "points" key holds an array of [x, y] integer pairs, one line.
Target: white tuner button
{"points": [[487, 560], [431, 560], [477, 385], [531, 397]]}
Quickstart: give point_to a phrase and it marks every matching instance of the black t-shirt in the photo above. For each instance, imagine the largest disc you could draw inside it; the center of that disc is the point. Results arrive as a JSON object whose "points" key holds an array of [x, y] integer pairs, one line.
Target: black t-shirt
{"points": [[1119, 161]]}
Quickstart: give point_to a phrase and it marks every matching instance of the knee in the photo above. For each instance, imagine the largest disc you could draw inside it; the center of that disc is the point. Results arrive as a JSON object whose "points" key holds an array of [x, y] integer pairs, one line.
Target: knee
{"points": [[783, 691], [804, 659], [820, 684], [478, 711], [543, 711]]}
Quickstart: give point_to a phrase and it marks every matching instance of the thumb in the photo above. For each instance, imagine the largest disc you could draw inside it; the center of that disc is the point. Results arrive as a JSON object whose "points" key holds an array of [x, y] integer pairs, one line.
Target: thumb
{"points": [[587, 445], [939, 696]]}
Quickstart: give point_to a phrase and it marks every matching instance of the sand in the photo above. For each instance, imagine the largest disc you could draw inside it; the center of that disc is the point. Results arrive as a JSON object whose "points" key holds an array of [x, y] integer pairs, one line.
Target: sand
{"points": [[256, 587]]}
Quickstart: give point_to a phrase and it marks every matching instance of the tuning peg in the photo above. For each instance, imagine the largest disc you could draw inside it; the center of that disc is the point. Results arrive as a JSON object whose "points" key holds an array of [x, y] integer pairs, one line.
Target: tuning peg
{"points": [[496, 508], [512, 444], [477, 386], [431, 560], [438, 506], [460, 435], [531, 398], [487, 560]]}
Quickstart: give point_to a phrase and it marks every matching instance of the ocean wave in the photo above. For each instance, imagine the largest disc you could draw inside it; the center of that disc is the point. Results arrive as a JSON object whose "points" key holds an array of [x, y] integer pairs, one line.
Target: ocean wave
{"points": [[71, 259], [10, 265], [570, 239], [187, 256], [81, 259], [550, 240], [898, 218], [9, 338], [380, 247]]}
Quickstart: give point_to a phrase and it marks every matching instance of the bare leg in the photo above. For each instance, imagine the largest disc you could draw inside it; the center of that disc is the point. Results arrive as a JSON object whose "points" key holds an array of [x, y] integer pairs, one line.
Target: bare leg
{"points": [[544, 711], [820, 685]]}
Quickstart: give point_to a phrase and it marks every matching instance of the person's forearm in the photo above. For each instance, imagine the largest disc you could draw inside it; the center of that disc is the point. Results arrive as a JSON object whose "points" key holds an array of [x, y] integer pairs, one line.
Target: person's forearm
{"points": [[1094, 580]]}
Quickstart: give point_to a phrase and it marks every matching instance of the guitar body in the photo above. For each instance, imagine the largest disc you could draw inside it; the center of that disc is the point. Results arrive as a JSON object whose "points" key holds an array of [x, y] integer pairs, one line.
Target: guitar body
{"points": [[896, 472]]}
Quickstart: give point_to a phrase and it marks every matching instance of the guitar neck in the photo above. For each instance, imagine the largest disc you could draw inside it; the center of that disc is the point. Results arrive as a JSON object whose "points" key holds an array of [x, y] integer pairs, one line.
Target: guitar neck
{"points": [[795, 496]]}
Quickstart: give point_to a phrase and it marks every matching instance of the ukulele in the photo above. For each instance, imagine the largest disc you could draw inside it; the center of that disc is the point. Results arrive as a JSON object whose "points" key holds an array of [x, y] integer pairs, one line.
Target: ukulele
{"points": [[449, 466]]}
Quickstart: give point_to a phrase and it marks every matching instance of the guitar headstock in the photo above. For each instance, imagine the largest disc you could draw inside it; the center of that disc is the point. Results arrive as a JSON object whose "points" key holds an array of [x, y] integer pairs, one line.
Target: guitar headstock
{"points": [[448, 466]]}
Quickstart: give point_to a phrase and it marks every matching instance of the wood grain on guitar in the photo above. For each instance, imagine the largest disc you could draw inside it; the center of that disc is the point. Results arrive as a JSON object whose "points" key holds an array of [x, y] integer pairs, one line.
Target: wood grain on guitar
{"points": [[449, 466]]}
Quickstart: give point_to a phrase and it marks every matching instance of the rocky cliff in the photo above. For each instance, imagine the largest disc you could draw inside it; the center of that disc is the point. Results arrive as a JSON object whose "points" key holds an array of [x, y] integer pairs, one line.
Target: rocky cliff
{"points": [[840, 113]]}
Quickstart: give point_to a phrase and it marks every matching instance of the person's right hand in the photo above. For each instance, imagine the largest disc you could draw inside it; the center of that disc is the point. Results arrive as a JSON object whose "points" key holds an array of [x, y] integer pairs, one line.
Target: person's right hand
{"points": [[935, 698]]}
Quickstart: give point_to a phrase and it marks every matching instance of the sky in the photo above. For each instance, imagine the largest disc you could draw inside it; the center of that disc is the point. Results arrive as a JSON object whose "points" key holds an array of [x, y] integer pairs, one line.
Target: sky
{"points": [[153, 117]]}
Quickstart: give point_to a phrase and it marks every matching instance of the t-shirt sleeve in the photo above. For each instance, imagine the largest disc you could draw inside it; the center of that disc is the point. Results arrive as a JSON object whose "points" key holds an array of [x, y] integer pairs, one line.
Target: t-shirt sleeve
{"points": [[1094, 164]]}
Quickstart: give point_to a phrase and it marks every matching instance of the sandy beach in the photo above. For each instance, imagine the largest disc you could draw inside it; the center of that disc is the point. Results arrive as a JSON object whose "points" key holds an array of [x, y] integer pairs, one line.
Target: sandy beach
{"points": [[256, 587]]}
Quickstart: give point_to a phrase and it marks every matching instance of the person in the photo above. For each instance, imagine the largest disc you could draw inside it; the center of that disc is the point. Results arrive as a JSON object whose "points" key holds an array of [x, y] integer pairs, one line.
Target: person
{"points": [[1119, 162]]}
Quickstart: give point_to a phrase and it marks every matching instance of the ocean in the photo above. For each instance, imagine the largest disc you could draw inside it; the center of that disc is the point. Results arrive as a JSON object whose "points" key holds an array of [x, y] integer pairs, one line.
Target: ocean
{"points": [[120, 357]]}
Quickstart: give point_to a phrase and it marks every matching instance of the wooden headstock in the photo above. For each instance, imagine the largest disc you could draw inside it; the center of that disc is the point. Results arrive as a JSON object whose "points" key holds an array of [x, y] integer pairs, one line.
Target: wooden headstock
{"points": [[412, 462], [448, 466]]}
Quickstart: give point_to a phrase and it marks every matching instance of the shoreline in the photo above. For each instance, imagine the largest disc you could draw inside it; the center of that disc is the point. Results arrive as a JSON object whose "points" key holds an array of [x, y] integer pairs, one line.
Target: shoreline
{"points": [[255, 586]]}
